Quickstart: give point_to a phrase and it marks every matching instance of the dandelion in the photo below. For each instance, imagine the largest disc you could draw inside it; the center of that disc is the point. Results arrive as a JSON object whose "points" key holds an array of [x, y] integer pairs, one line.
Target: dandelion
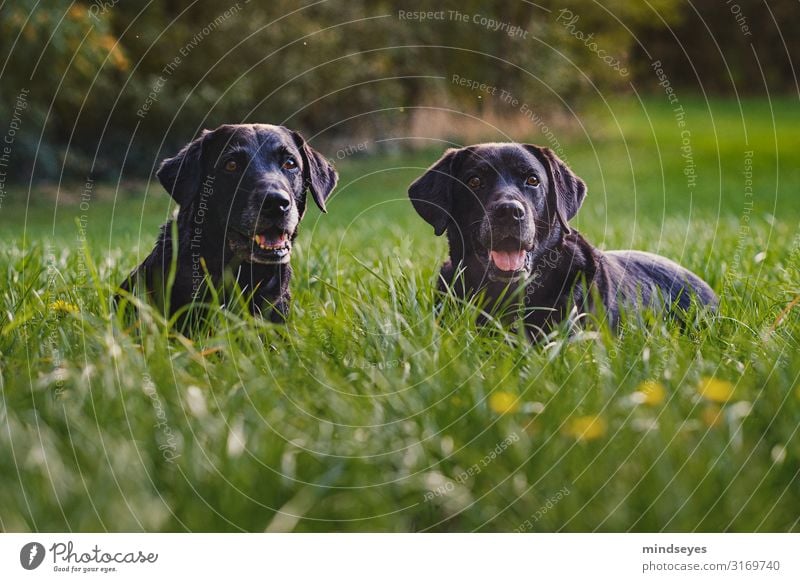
{"points": [[587, 428], [778, 454], [196, 401], [651, 393], [503, 402], [63, 307], [237, 441], [715, 390]]}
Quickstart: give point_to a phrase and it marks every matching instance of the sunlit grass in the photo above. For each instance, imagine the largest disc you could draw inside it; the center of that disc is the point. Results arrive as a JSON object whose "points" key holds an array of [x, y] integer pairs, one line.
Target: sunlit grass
{"points": [[373, 410]]}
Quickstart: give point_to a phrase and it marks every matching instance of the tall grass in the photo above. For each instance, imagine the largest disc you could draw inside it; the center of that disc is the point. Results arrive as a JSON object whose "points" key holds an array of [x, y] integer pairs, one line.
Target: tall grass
{"points": [[372, 410]]}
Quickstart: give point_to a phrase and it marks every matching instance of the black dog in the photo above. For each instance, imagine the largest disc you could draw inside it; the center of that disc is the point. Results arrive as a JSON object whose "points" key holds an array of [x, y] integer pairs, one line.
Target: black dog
{"points": [[505, 209], [242, 193]]}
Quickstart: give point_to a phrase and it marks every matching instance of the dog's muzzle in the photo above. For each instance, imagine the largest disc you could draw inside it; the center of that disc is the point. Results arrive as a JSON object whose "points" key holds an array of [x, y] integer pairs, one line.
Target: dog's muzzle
{"points": [[509, 269], [508, 239]]}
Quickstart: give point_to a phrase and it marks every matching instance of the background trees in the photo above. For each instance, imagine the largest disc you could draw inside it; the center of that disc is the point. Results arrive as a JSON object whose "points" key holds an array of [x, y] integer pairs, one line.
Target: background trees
{"points": [[110, 79]]}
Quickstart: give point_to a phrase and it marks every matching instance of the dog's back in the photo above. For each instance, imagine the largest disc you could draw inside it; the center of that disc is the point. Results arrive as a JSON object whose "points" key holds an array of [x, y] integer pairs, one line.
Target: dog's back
{"points": [[649, 279]]}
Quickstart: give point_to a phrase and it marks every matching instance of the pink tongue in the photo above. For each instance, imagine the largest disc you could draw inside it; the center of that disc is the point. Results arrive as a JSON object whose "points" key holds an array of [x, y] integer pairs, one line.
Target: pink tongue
{"points": [[509, 261]]}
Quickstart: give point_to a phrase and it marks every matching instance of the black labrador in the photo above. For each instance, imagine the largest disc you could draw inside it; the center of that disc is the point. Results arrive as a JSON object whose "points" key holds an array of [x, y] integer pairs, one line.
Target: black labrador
{"points": [[505, 208], [242, 192]]}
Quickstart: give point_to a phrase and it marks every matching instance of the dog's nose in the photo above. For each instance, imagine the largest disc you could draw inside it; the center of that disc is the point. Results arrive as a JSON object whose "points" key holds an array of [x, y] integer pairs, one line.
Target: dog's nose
{"points": [[510, 210], [276, 202]]}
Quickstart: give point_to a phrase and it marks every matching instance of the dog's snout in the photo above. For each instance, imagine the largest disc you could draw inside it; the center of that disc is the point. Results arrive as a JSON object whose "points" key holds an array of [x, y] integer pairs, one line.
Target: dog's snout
{"points": [[276, 202], [510, 210]]}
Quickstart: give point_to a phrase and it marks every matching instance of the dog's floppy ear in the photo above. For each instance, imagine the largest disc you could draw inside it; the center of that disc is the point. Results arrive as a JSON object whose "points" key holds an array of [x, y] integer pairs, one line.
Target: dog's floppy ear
{"points": [[319, 175], [181, 175], [567, 189], [432, 193]]}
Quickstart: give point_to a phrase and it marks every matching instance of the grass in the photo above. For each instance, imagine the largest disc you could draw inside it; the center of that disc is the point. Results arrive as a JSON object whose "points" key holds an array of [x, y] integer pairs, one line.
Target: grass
{"points": [[370, 412]]}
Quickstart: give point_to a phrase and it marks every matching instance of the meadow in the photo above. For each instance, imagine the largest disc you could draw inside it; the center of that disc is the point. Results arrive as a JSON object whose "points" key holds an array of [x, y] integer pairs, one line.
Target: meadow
{"points": [[370, 410]]}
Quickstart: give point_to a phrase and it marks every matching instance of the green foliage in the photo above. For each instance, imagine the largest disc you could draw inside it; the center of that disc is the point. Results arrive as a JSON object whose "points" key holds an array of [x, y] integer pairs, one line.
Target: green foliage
{"points": [[741, 46], [117, 86], [54, 52], [371, 411], [114, 83]]}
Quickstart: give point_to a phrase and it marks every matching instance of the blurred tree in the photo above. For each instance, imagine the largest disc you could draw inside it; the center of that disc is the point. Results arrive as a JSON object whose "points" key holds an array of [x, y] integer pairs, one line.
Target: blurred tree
{"points": [[727, 45], [55, 51], [123, 84]]}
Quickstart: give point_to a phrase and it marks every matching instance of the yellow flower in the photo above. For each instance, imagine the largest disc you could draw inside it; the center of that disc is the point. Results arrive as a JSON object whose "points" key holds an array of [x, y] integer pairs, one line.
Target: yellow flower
{"points": [[587, 428], [503, 402], [715, 390], [61, 306], [652, 392], [712, 415]]}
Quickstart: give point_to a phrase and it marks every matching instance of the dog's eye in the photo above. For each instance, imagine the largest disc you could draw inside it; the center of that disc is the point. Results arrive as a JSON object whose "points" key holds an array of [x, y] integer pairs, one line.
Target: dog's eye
{"points": [[290, 164], [231, 166], [532, 180], [474, 182]]}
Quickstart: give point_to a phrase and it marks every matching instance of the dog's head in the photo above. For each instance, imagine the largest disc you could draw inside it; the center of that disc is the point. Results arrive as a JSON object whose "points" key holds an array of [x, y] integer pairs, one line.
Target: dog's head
{"points": [[251, 182], [499, 202]]}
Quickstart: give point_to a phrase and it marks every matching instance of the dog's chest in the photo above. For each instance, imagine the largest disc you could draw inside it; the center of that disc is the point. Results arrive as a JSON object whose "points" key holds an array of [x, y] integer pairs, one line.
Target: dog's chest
{"points": [[250, 278]]}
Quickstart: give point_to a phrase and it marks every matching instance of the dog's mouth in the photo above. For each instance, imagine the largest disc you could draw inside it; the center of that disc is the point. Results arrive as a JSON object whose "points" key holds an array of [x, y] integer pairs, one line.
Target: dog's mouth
{"points": [[508, 259], [269, 247]]}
